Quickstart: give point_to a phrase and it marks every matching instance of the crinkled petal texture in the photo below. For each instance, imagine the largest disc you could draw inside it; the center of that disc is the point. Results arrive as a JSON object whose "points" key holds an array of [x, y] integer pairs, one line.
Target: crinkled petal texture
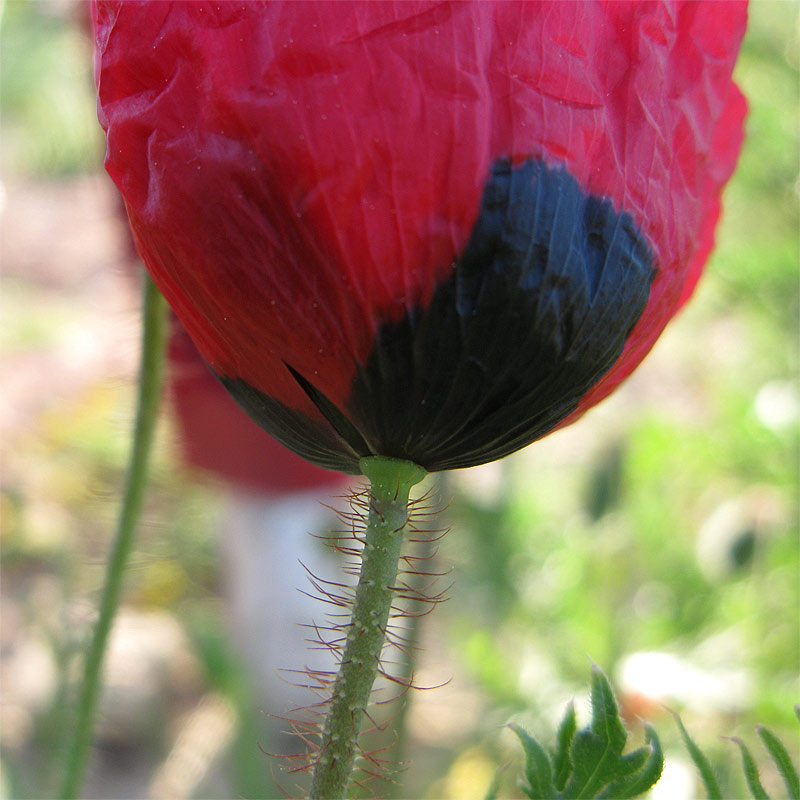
{"points": [[432, 231]]}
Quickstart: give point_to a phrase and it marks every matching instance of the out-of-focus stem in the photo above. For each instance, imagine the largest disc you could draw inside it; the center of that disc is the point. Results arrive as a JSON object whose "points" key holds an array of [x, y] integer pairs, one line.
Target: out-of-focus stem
{"points": [[154, 319], [416, 610], [391, 481]]}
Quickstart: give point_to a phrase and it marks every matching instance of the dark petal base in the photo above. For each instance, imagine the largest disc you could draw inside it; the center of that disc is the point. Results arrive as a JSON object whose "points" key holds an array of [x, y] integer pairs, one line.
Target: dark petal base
{"points": [[535, 312], [309, 438]]}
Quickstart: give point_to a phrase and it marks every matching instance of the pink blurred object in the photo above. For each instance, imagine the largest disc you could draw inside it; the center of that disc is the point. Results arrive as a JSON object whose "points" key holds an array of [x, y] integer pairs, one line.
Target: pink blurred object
{"points": [[217, 436]]}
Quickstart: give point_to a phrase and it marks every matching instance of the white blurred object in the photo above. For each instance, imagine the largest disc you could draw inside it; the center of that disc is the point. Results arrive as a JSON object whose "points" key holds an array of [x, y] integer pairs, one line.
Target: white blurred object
{"points": [[150, 667], [677, 782], [483, 484], [651, 679], [205, 734], [264, 542], [29, 681], [777, 405]]}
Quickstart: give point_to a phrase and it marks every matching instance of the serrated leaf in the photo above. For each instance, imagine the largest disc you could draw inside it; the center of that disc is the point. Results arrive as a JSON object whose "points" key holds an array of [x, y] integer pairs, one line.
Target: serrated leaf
{"points": [[782, 761], [750, 771], [632, 762], [650, 773], [590, 762], [538, 772], [605, 714], [651, 759], [562, 766], [701, 762], [596, 751]]}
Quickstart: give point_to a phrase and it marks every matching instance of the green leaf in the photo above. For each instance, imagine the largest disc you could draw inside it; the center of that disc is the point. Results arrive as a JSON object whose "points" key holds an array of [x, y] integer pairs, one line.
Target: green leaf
{"points": [[562, 766], [650, 758], [750, 771], [782, 761], [596, 751], [590, 762], [538, 772], [701, 762]]}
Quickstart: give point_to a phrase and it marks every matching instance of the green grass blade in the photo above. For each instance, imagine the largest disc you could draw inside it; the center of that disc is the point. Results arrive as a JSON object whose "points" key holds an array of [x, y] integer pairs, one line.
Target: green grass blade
{"points": [[782, 761], [701, 762], [750, 771], [494, 788]]}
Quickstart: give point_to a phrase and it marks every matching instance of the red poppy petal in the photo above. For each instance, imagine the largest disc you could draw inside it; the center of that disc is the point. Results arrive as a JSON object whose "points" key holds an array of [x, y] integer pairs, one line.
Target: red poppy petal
{"points": [[301, 177]]}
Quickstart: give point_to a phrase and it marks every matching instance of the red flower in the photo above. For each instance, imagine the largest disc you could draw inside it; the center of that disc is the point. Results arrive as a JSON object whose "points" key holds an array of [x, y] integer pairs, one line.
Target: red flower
{"points": [[427, 231]]}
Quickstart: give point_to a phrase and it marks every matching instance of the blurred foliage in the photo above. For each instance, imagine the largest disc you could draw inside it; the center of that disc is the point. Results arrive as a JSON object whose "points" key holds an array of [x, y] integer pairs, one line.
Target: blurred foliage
{"points": [[46, 89], [664, 523]]}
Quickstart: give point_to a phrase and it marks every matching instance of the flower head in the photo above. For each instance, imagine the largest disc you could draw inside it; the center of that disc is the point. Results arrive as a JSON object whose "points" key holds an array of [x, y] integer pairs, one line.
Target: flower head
{"points": [[430, 231]]}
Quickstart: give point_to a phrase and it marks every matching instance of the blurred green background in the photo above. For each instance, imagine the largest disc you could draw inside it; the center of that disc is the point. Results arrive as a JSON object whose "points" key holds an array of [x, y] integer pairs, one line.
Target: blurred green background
{"points": [[657, 537]]}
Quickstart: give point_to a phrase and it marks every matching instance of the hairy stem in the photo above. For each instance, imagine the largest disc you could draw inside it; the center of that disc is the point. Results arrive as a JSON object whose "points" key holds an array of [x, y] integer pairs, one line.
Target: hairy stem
{"points": [[391, 481], [154, 318]]}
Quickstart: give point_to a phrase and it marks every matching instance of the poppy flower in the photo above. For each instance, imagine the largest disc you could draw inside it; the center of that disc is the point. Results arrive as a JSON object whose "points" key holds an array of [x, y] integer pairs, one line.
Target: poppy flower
{"points": [[429, 231]]}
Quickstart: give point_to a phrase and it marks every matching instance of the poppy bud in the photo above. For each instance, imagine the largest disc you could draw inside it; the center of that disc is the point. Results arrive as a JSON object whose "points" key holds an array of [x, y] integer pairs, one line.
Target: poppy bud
{"points": [[426, 231]]}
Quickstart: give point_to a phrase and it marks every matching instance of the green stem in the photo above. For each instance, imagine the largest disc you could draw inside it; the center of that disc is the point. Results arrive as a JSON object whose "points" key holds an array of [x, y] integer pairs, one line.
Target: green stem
{"points": [[391, 481], [153, 337]]}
